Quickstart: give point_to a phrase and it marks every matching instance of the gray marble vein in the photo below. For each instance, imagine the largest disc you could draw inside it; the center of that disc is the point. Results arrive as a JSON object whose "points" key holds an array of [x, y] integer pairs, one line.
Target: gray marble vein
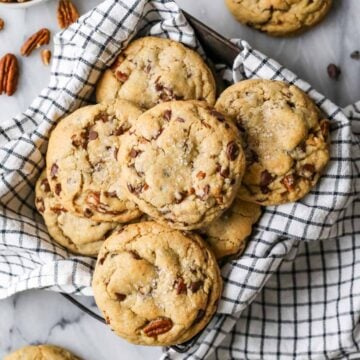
{"points": [[40, 316]]}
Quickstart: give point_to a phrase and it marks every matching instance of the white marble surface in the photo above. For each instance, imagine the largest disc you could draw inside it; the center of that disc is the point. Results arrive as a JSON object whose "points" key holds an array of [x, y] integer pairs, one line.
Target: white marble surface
{"points": [[42, 317]]}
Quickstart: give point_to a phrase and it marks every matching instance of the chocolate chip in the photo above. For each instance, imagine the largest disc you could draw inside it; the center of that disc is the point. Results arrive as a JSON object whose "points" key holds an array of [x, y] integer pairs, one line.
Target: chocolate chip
{"points": [[88, 213], [53, 171], [93, 135], [121, 76], [180, 196], [159, 87], [200, 175], [45, 185], [104, 117], [179, 119], [136, 189], [111, 194], [264, 189], [199, 316], [135, 255], [252, 157], [167, 115], [76, 142], [196, 285], [355, 55], [219, 116], [225, 173], [119, 131], [232, 150], [120, 297], [289, 182], [334, 71], [134, 153], [180, 286], [308, 171], [266, 178], [57, 189]]}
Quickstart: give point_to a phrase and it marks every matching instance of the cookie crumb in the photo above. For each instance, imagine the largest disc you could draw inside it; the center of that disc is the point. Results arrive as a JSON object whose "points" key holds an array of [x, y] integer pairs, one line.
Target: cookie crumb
{"points": [[334, 71]]}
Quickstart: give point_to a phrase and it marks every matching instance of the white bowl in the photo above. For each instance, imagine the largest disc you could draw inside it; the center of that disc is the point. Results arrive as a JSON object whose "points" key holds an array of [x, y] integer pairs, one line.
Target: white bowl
{"points": [[16, 5]]}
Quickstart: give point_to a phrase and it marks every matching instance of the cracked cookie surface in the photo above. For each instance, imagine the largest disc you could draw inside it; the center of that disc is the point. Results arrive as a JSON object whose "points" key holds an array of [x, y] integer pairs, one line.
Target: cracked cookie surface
{"points": [[156, 285], [153, 70], [279, 17], [41, 352], [285, 139], [82, 167], [182, 163], [227, 235], [77, 234]]}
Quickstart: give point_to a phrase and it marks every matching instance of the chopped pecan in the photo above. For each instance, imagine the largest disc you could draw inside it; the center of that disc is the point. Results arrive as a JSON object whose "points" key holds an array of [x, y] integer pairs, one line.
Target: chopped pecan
{"points": [[196, 285], [45, 185], [42, 37], [46, 56], [58, 189], [67, 13], [122, 77], [54, 170], [40, 205], [158, 326], [167, 115], [289, 182], [93, 135], [206, 191], [180, 196], [200, 175], [324, 127], [93, 198], [2, 24], [9, 74], [180, 286]]}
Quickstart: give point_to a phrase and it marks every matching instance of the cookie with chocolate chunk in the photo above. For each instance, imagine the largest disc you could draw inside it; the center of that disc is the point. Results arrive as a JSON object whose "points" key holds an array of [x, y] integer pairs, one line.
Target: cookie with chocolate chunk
{"points": [[41, 352], [228, 234], [78, 234], [82, 167], [285, 139], [153, 70], [280, 17], [156, 285], [182, 163]]}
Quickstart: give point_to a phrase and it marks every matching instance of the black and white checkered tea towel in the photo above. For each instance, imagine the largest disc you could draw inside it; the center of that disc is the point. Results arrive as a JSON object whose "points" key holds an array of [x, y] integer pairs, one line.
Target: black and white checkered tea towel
{"points": [[274, 305]]}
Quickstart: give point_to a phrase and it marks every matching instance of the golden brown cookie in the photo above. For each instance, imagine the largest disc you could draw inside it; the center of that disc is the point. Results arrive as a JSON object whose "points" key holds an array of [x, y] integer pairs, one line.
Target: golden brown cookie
{"points": [[153, 70], [280, 17], [78, 234], [228, 234], [41, 352], [285, 139], [82, 167], [156, 285], [182, 163]]}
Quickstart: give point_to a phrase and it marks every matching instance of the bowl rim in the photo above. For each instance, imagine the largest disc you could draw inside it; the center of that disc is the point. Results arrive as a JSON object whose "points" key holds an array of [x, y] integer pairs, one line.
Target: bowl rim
{"points": [[22, 5]]}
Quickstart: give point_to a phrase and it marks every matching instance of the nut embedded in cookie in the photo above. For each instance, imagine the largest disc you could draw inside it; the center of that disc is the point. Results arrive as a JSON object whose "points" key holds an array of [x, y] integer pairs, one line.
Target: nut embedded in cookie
{"points": [[156, 285]]}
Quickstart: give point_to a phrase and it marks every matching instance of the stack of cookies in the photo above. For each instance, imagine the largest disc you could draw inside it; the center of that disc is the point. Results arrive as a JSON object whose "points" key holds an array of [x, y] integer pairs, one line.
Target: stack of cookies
{"points": [[159, 182]]}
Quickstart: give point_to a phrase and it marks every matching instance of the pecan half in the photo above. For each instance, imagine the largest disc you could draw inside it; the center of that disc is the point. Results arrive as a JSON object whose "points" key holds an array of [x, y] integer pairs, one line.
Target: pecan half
{"points": [[9, 74], [42, 37], [45, 56], [158, 327], [67, 13]]}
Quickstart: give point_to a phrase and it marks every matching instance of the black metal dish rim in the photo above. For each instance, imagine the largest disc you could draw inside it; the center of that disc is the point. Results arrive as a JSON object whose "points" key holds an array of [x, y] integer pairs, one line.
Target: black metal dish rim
{"points": [[216, 48]]}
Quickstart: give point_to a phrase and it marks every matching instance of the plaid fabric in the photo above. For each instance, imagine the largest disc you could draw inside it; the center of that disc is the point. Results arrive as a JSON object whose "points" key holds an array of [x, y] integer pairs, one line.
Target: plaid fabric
{"points": [[308, 307]]}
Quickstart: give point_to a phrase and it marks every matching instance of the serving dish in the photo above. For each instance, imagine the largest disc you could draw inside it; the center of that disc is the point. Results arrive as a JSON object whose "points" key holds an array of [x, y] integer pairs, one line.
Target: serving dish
{"points": [[218, 50], [22, 5]]}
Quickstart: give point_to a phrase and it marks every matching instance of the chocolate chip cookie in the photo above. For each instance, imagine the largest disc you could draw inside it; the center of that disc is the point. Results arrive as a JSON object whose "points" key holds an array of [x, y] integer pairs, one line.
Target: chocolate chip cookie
{"points": [[156, 285], [285, 139], [77, 234], [41, 352], [153, 70], [182, 163], [280, 17], [227, 235], [82, 167]]}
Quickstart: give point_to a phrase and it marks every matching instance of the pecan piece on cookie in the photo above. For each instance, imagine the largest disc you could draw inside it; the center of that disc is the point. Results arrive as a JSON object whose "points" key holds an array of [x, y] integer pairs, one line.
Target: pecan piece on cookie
{"points": [[2, 24], [9, 74], [67, 13], [40, 38], [157, 327]]}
